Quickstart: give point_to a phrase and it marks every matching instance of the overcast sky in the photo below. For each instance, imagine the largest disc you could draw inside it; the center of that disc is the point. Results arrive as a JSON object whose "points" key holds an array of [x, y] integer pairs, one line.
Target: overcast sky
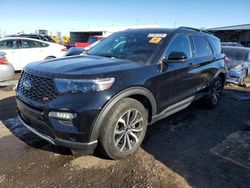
{"points": [[65, 16]]}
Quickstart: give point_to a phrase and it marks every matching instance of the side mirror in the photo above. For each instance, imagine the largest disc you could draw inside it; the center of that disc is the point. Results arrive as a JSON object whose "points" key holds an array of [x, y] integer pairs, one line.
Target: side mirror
{"points": [[175, 56]]}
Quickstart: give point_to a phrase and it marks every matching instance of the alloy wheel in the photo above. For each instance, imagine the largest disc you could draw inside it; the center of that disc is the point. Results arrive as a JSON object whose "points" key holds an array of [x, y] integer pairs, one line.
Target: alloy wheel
{"points": [[216, 91], [128, 130]]}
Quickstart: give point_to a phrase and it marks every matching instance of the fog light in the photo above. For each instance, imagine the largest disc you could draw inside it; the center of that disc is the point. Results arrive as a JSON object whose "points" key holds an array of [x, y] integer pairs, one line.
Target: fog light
{"points": [[62, 115]]}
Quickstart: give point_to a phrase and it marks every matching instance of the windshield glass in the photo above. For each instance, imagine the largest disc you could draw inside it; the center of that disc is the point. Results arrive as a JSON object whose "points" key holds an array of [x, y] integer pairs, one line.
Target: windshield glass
{"points": [[236, 54], [138, 47]]}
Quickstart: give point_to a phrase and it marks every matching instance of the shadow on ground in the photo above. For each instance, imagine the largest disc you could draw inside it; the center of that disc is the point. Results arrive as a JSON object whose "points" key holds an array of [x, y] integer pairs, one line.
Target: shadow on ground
{"points": [[183, 141]]}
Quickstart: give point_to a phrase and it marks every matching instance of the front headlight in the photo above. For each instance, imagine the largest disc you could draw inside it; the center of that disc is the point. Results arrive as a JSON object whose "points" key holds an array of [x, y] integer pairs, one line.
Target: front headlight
{"points": [[238, 67], [83, 86]]}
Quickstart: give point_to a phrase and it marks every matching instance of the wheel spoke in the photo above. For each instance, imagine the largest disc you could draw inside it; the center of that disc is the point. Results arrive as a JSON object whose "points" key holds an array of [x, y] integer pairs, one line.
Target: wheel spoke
{"points": [[215, 100], [124, 143], [119, 131], [128, 142], [122, 121], [217, 95], [137, 121], [135, 115], [137, 130], [133, 136], [128, 117], [119, 139]]}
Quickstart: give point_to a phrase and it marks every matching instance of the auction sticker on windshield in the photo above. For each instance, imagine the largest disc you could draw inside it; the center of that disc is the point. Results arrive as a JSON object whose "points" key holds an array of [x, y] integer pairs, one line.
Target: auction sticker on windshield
{"points": [[157, 35], [155, 40]]}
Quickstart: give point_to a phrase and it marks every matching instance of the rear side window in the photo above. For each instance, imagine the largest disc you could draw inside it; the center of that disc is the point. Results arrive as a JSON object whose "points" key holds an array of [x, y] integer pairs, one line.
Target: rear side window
{"points": [[202, 47], [217, 45], [180, 43], [8, 44], [32, 44]]}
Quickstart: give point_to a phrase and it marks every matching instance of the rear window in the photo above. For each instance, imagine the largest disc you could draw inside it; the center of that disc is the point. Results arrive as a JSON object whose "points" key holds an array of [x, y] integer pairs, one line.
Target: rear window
{"points": [[236, 53], [32, 44]]}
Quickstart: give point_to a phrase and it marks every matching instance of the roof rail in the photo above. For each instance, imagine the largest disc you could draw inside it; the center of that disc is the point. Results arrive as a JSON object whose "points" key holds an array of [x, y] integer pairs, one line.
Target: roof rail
{"points": [[195, 29]]}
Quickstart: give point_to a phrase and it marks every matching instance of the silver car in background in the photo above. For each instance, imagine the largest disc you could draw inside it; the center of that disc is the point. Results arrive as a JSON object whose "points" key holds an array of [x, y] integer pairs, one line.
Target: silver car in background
{"points": [[6, 70], [238, 63]]}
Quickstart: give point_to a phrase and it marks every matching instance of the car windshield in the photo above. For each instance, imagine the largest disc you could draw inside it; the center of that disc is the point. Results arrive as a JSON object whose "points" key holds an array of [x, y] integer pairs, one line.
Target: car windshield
{"points": [[236, 54], [138, 47]]}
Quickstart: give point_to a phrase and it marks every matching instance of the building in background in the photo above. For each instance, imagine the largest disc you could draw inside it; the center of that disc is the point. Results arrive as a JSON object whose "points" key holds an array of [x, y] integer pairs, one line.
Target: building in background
{"points": [[236, 33], [83, 36]]}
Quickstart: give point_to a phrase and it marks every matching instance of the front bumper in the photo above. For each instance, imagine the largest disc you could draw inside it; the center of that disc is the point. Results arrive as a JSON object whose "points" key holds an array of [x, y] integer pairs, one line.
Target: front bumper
{"points": [[55, 131], [87, 147], [236, 76]]}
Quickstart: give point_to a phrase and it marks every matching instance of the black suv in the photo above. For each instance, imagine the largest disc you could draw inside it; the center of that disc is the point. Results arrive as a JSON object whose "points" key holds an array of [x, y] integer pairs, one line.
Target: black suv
{"points": [[108, 96]]}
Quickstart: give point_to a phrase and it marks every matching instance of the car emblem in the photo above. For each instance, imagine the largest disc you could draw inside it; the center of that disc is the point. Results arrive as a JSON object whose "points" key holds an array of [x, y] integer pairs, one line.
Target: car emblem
{"points": [[45, 99], [27, 85]]}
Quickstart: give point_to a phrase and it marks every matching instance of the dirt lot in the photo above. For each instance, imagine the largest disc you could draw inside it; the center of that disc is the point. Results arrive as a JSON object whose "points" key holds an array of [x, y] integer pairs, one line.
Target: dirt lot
{"points": [[196, 147]]}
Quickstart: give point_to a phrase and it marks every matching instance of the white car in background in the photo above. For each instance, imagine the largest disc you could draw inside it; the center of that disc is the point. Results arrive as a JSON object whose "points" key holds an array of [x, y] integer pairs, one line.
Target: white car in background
{"points": [[21, 51], [6, 70]]}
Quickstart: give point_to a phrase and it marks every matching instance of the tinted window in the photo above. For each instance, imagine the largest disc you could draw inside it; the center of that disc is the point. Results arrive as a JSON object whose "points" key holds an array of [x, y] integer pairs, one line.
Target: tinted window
{"points": [[180, 43], [32, 44], [217, 45], [8, 44], [202, 47]]}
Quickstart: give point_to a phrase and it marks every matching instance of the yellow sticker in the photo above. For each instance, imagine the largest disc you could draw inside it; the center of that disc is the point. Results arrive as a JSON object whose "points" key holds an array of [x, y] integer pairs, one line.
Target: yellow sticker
{"points": [[155, 40]]}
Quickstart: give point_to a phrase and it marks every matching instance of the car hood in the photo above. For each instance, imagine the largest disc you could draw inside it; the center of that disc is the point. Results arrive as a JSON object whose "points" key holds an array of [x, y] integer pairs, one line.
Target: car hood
{"points": [[80, 66], [234, 63]]}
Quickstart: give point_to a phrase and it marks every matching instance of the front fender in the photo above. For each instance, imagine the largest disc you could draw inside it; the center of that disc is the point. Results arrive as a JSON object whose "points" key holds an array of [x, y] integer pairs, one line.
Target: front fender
{"points": [[96, 126]]}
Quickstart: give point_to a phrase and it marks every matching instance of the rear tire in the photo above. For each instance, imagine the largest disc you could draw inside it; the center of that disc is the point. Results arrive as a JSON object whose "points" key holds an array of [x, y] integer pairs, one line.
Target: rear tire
{"points": [[215, 91], [123, 129]]}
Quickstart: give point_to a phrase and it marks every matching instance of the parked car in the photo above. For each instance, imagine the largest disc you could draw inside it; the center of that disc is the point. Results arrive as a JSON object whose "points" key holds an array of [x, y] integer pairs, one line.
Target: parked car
{"points": [[129, 80], [78, 51], [74, 51], [45, 38], [91, 40], [232, 44], [238, 63], [6, 69], [21, 51]]}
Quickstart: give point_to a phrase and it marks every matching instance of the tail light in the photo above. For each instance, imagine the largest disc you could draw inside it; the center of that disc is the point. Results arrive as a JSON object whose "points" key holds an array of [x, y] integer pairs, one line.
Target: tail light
{"points": [[3, 60], [64, 49]]}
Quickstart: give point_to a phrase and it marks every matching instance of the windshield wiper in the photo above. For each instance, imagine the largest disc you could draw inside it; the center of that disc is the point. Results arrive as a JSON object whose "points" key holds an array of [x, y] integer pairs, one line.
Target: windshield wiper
{"points": [[107, 55]]}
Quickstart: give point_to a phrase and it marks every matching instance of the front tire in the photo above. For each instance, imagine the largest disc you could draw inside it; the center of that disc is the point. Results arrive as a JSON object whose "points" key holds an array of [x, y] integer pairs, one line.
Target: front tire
{"points": [[123, 129]]}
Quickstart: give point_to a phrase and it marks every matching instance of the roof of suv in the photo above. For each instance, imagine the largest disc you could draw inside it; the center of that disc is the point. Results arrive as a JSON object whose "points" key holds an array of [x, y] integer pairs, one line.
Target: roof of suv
{"points": [[169, 30]]}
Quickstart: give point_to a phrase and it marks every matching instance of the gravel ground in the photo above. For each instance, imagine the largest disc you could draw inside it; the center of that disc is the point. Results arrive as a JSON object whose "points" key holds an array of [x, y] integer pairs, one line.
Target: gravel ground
{"points": [[186, 149]]}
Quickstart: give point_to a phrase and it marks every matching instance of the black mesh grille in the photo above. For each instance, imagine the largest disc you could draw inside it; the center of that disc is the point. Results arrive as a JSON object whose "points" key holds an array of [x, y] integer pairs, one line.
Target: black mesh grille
{"points": [[42, 89]]}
